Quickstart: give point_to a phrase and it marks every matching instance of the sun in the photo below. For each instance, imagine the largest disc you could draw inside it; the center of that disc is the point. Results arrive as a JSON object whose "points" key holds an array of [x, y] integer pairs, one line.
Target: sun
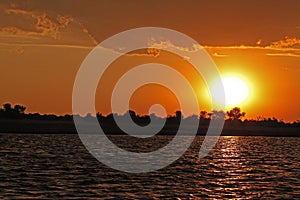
{"points": [[236, 90]]}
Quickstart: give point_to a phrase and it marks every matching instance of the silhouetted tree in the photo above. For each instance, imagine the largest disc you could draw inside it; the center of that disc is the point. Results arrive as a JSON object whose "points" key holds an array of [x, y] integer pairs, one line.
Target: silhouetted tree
{"points": [[203, 114], [7, 107], [132, 114], [235, 114], [19, 109], [178, 115]]}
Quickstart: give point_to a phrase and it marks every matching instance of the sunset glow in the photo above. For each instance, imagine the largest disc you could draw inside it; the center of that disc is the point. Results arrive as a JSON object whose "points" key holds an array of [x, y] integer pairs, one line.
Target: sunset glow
{"points": [[42, 49], [236, 91], [160, 99]]}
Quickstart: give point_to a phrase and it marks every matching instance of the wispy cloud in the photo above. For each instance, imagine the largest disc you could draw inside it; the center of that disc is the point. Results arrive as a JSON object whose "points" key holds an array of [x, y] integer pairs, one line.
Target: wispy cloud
{"points": [[16, 32], [17, 45], [169, 44], [287, 42], [220, 55], [44, 24], [152, 52], [283, 54], [85, 30], [41, 28], [18, 11], [56, 30], [289, 47]]}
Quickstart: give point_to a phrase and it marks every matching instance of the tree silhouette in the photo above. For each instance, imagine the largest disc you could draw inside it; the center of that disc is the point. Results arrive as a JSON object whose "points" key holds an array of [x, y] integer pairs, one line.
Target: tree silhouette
{"points": [[7, 107], [19, 109], [12, 112], [203, 114], [235, 114], [178, 115]]}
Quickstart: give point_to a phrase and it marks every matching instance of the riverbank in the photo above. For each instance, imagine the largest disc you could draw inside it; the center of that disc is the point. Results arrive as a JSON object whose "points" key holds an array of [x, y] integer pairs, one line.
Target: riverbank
{"points": [[68, 127]]}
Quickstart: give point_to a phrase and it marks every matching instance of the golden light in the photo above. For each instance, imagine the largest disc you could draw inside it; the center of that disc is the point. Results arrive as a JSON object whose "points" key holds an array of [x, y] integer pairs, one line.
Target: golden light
{"points": [[236, 90]]}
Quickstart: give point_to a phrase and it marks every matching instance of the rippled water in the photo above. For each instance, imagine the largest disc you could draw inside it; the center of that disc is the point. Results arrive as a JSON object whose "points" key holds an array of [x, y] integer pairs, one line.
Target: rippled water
{"points": [[59, 166]]}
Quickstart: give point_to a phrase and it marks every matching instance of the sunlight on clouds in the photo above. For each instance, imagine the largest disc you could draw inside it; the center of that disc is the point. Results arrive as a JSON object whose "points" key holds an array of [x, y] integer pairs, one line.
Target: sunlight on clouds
{"points": [[283, 54], [41, 28], [287, 42], [219, 55], [18, 11], [181, 47], [285, 47], [44, 24], [43, 44]]}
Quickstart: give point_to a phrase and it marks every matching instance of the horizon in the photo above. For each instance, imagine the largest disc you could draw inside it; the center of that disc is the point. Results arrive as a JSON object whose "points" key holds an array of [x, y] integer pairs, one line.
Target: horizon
{"points": [[42, 48], [129, 99], [208, 114]]}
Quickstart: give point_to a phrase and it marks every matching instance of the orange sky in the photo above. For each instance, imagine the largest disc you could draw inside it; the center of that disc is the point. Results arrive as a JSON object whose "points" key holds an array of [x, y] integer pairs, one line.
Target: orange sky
{"points": [[42, 45]]}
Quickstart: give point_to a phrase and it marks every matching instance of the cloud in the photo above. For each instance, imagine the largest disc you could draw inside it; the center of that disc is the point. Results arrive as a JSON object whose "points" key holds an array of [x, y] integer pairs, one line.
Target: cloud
{"points": [[18, 12], [258, 42], [24, 28], [36, 27], [85, 30], [14, 31], [220, 55], [168, 44], [151, 52], [44, 24], [283, 54], [287, 42], [47, 45], [64, 30], [288, 47]]}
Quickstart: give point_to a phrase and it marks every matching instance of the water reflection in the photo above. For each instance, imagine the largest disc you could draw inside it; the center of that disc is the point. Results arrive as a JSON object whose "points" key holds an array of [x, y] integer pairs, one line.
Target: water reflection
{"points": [[58, 166]]}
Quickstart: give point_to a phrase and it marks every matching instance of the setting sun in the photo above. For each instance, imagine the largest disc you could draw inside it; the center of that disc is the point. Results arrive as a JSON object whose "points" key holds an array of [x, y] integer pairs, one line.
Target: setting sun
{"points": [[236, 90], [149, 99]]}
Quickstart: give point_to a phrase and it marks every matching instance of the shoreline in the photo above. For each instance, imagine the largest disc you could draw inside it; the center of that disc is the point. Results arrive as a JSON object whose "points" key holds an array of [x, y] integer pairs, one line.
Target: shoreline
{"points": [[15, 126]]}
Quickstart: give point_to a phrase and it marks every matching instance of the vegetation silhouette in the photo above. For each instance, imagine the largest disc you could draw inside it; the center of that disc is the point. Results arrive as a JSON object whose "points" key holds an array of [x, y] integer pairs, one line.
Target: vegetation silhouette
{"points": [[235, 114], [13, 119], [12, 112]]}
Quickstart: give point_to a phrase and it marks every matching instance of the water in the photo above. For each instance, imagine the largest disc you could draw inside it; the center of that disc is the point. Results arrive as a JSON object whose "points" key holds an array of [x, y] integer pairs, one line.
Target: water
{"points": [[59, 166]]}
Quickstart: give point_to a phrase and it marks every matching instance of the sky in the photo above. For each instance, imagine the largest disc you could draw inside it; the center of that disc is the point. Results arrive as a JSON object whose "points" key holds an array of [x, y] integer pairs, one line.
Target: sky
{"points": [[43, 43]]}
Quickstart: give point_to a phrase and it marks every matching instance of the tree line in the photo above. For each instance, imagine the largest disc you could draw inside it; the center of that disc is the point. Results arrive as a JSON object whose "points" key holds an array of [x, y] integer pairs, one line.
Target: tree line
{"points": [[232, 117], [18, 111]]}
